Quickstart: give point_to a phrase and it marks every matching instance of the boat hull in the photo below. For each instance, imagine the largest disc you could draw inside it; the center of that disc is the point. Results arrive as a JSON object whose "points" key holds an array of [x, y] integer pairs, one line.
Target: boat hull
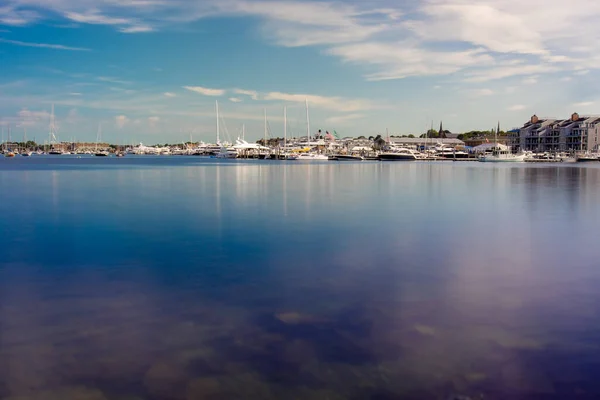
{"points": [[502, 159], [346, 158], [397, 157]]}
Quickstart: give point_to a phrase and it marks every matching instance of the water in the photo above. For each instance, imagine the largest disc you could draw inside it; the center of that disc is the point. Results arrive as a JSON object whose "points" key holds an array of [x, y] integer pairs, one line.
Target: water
{"points": [[182, 278]]}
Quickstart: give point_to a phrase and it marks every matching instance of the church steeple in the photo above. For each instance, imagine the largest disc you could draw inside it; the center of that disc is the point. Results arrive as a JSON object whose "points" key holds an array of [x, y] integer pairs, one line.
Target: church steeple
{"points": [[441, 133]]}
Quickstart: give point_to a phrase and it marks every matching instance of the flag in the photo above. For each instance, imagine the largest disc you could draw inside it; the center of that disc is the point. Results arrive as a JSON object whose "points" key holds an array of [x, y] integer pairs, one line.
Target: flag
{"points": [[335, 134], [329, 136]]}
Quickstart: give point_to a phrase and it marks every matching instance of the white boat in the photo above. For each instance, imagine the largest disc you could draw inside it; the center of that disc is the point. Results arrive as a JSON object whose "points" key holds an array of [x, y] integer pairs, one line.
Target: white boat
{"points": [[501, 153], [312, 157], [400, 154], [226, 153]]}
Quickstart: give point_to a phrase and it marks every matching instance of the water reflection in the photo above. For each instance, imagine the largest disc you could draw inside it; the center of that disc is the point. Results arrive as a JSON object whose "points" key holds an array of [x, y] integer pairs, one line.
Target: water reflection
{"points": [[282, 280]]}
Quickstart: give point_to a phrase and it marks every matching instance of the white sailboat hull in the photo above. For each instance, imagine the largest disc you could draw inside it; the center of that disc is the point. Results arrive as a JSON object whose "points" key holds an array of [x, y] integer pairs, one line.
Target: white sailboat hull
{"points": [[503, 158]]}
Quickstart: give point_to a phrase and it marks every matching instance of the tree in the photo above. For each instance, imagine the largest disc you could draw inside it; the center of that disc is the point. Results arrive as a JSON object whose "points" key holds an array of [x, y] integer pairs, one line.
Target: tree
{"points": [[411, 136], [379, 143], [361, 137]]}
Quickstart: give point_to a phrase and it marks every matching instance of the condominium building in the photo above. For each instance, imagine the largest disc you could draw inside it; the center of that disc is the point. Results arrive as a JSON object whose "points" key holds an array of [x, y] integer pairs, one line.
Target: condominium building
{"points": [[576, 134]]}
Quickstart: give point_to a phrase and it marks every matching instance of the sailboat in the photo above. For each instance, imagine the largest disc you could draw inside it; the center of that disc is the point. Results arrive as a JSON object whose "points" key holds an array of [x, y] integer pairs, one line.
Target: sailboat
{"points": [[52, 135], [25, 152], [98, 137], [9, 153], [224, 151], [501, 153], [308, 156]]}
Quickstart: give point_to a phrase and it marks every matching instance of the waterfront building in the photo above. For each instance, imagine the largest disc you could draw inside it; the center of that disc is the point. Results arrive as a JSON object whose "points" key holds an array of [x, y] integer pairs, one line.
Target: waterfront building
{"points": [[576, 134]]}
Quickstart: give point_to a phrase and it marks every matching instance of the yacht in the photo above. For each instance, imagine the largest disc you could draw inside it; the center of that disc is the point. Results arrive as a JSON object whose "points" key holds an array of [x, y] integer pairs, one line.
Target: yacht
{"points": [[101, 154], [401, 154], [502, 154], [587, 157], [346, 157], [225, 152], [312, 157]]}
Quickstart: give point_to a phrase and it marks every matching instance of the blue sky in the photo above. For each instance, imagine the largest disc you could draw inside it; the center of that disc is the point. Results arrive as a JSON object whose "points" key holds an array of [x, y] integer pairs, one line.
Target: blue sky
{"points": [[151, 70]]}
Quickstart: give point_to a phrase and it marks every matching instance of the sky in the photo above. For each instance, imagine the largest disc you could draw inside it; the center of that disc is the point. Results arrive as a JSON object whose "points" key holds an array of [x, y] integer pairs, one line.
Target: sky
{"points": [[151, 71]]}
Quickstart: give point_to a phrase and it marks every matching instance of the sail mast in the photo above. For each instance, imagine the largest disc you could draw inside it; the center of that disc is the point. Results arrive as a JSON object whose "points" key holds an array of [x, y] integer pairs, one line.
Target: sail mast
{"points": [[265, 133], [284, 126], [307, 123], [217, 108]]}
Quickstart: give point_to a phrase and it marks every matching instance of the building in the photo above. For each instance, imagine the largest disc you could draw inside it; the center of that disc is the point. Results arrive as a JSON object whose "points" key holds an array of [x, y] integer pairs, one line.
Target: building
{"points": [[420, 142], [576, 134]]}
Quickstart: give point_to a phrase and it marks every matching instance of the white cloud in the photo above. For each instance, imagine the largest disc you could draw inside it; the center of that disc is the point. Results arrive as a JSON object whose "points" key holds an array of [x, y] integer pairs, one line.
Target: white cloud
{"points": [[343, 119], [205, 91], [137, 29], [235, 99], [491, 39], [532, 80], [566, 79], [331, 103], [252, 93], [584, 104], [169, 94], [112, 80], [121, 121], [516, 107], [43, 45], [480, 92], [152, 121], [74, 94]]}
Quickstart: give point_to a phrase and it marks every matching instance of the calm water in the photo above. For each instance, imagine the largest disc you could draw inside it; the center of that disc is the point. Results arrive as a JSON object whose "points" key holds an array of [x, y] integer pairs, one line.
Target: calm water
{"points": [[180, 278]]}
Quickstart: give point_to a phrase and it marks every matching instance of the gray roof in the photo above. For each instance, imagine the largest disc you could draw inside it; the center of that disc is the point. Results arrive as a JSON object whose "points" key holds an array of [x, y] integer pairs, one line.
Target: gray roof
{"points": [[403, 140]]}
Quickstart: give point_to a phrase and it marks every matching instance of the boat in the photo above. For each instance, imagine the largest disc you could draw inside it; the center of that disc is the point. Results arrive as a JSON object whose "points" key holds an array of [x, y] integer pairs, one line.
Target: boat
{"points": [[345, 157], [501, 153], [120, 154], [99, 153], [226, 153], [26, 154], [587, 157], [312, 157], [402, 154], [52, 136], [10, 154]]}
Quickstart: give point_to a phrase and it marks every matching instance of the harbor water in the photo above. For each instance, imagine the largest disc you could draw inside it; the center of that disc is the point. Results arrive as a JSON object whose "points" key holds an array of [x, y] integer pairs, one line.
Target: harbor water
{"points": [[183, 278]]}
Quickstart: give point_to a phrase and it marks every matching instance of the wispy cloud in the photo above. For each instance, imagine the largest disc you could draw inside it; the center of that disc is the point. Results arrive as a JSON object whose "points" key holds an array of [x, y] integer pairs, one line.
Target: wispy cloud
{"points": [[43, 45], [252, 93], [516, 107], [235, 99], [121, 121], [584, 104], [480, 92], [343, 119], [137, 29], [112, 80], [205, 91], [356, 32], [169, 94]]}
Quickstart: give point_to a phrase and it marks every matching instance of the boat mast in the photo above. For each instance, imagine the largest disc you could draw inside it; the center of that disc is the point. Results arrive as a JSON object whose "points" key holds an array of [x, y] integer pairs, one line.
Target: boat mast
{"points": [[244, 132], [284, 126], [217, 108], [265, 138], [307, 123]]}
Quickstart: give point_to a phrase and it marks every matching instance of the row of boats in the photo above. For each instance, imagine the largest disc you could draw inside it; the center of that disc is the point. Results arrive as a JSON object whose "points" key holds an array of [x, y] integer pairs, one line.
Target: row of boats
{"points": [[318, 152]]}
